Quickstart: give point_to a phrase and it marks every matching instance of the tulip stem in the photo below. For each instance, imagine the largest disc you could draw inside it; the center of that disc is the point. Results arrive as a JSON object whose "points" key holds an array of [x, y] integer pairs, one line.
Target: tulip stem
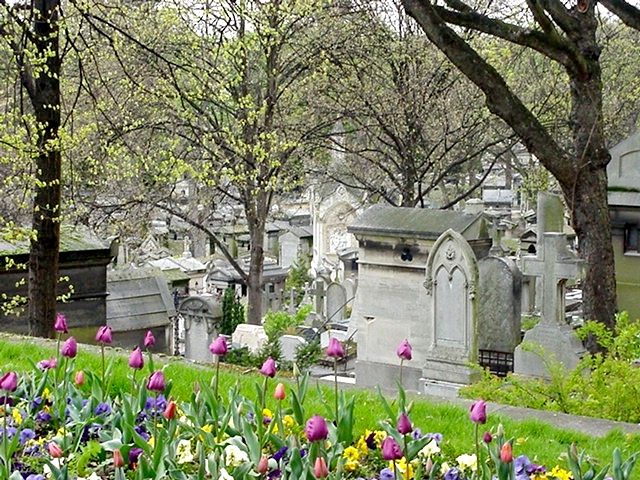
{"points": [[103, 370], [335, 385], [264, 392], [215, 388], [55, 372], [133, 383], [401, 363], [64, 404], [155, 423], [478, 462], [395, 471], [406, 454], [4, 435]]}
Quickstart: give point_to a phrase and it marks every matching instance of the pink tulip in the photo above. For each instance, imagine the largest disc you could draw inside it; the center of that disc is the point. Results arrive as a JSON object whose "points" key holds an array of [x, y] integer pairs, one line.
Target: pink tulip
{"points": [[149, 339], [69, 348], [316, 429], [48, 364], [79, 378], [104, 335], [478, 412], [60, 324], [136, 361], [279, 393], [506, 453], [263, 465], [54, 450], [390, 449], [404, 350], [320, 469], [118, 461], [170, 410], [9, 382], [335, 348], [268, 368], [219, 346]]}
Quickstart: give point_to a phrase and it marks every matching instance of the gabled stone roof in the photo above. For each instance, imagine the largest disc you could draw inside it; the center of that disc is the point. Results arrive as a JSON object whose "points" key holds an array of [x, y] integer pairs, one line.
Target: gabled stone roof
{"points": [[414, 222]]}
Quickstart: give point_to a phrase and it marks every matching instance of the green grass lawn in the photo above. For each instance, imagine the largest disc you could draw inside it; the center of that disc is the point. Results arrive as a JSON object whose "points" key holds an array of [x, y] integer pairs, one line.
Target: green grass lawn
{"points": [[541, 442]]}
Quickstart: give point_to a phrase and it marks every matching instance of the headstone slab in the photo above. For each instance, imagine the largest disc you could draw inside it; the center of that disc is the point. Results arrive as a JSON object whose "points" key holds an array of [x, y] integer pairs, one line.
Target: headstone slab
{"points": [[290, 345], [336, 302], [451, 317], [499, 304], [251, 336], [202, 317], [555, 264]]}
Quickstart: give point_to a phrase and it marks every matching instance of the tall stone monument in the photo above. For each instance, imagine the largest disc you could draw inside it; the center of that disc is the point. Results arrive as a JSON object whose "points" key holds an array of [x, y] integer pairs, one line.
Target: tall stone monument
{"points": [[554, 264], [451, 317]]}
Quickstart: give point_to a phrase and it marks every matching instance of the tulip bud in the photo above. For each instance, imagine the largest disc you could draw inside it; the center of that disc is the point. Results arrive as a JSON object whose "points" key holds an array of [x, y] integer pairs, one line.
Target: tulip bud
{"points": [[487, 437], [156, 382], [263, 465], [69, 348], [404, 350], [279, 393], [149, 339], [79, 378], [390, 449], [428, 466], [219, 346], [170, 411], [478, 412], [118, 461], [320, 469], [104, 335], [60, 324], [316, 429], [296, 370], [268, 368], [9, 382], [506, 453], [335, 348], [54, 450], [136, 361], [404, 424], [500, 431]]}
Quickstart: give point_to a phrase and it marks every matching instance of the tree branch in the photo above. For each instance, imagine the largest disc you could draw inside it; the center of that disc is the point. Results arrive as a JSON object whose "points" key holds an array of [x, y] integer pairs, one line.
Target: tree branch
{"points": [[629, 14]]}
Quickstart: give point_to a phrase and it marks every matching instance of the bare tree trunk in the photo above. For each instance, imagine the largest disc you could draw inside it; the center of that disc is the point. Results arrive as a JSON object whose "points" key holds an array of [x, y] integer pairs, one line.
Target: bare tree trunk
{"points": [[45, 98], [254, 281]]}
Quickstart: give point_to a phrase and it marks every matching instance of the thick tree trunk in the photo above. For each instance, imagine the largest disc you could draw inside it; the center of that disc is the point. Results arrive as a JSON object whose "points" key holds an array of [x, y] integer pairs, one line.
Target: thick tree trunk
{"points": [[592, 224], [254, 282], [45, 98]]}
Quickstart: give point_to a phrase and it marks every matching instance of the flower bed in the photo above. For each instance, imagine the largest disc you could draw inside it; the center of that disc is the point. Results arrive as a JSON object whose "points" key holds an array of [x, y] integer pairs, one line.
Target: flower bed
{"points": [[60, 422]]}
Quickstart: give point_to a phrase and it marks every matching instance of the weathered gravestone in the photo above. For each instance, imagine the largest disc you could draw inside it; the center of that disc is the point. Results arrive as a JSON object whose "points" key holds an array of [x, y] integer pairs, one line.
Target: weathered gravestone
{"points": [[251, 336], [350, 287], [555, 265], [290, 345], [318, 291], [499, 304], [336, 302], [550, 218], [452, 314], [202, 317]]}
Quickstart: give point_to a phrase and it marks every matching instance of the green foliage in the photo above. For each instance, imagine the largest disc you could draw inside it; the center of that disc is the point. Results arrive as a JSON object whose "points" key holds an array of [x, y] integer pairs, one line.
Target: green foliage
{"points": [[603, 385], [278, 323], [232, 312], [528, 322], [308, 355], [297, 279]]}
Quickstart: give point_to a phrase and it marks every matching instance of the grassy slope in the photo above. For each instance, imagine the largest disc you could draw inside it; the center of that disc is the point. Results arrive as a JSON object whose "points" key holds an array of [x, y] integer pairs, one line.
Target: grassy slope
{"points": [[539, 440]]}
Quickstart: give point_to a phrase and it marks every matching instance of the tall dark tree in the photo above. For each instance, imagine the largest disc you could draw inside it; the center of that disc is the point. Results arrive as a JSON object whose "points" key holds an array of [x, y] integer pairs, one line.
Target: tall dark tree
{"points": [[567, 35]]}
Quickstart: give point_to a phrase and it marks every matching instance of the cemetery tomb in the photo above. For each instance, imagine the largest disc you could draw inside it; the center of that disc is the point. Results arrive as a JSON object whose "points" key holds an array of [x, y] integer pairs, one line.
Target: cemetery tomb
{"points": [[202, 316]]}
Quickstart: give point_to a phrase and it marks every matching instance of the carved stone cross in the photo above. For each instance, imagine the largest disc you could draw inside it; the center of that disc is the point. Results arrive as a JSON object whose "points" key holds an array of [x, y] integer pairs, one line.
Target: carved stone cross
{"points": [[555, 264]]}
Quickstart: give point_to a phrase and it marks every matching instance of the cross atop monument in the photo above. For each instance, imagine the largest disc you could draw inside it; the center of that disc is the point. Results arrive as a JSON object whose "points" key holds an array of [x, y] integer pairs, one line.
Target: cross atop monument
{"points": [[555, 264]]}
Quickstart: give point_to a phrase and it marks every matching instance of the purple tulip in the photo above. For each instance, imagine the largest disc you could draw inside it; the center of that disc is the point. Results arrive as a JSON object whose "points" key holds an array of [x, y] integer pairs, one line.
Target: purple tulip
{"points": [[268, 368], [134, 455], [104, 335], [156, 382], [404, 424], [48, 363], [61, 324], [9, 382], [316, 429], [135, 359], [69, 348], [487, 437], [391, 450], [219, 347], [478, 412], [335, 348], [404, 350], [149, 339]]}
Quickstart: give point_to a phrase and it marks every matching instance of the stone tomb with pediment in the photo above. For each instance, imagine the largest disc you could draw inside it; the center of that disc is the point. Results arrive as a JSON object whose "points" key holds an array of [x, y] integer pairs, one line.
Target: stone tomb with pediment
{"points": [[417, 266]]}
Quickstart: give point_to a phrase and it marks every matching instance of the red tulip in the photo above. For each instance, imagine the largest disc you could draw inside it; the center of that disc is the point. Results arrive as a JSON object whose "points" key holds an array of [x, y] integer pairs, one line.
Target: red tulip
{"points": [[279, 393], [263, 465], [320, 469], [118, 461], [170, 411], [506, 453], [54, 450]]}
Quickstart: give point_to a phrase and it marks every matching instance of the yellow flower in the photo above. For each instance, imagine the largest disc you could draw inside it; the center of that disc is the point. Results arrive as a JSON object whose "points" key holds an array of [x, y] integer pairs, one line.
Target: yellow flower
{"points": [[362, 446], [208, 428], [288, 421], [540, 476], [351, 466], [17, 416], [267, 413], [351, 453], [46, 394], [406, 469], [560, 473], [151, 441], [520, 441]]}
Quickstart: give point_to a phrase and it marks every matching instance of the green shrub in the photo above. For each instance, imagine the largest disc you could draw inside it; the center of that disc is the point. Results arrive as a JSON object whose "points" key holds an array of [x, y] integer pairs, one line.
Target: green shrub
{"points": [[232, 312], [605, 385], [278, 323]]}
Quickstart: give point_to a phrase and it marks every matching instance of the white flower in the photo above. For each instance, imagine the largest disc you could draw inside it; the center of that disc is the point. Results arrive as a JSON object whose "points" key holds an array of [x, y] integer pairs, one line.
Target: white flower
{"points": [[444, 468], [224, 475], [467, 461], [430, 449], [183, 451], [234, 456]]}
